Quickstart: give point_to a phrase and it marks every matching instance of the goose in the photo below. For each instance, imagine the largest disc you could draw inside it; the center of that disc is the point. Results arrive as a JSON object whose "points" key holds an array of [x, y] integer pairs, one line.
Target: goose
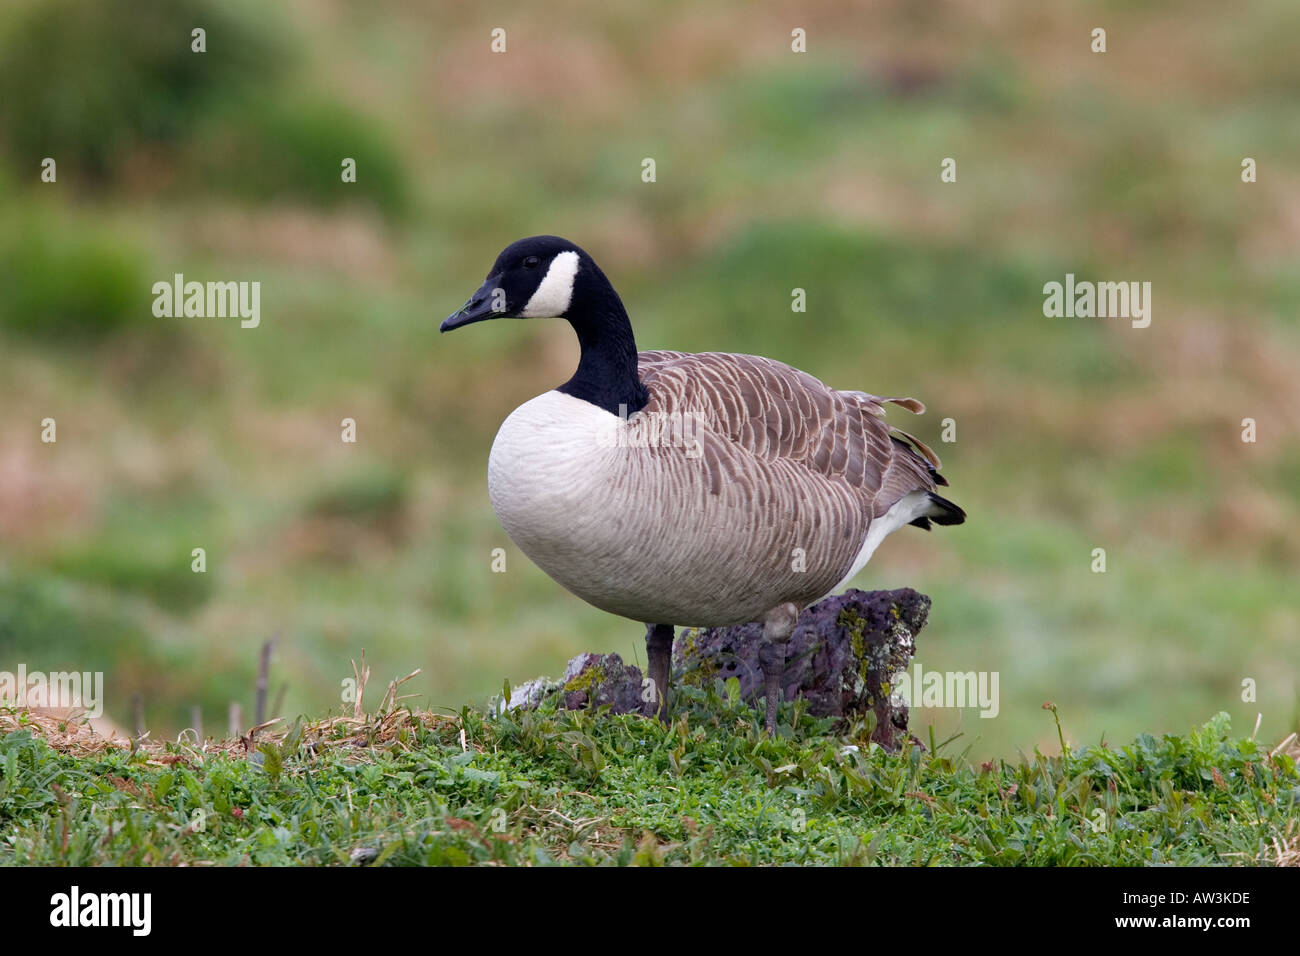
{"points": [[690, 489]]}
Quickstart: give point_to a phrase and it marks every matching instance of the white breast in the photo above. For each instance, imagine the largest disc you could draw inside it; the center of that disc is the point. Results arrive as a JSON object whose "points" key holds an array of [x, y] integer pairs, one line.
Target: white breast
{"points": [[552, 478], [542, 466]]}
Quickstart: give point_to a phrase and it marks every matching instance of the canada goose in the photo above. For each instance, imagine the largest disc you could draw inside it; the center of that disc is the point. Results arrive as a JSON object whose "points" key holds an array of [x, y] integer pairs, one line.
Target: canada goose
{"points": [[745, 491]]}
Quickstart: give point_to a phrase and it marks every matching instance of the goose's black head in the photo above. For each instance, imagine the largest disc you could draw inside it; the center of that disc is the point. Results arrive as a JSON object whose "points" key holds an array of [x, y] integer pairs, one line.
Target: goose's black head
{"points": [[549, 277], [533, 278]]}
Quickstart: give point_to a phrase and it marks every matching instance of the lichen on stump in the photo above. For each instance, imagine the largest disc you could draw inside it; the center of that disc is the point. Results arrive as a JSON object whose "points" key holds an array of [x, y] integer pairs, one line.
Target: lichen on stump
{"points": [[599, 680], [841, 657]]}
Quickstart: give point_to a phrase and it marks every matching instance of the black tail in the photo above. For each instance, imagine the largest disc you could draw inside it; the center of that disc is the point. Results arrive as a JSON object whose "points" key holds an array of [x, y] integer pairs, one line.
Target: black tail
{"points": [[944, 511]]}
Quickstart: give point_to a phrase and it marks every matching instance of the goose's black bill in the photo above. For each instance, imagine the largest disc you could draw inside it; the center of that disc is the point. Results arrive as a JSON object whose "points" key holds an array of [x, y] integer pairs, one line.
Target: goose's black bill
{"points": [[478, 308]]}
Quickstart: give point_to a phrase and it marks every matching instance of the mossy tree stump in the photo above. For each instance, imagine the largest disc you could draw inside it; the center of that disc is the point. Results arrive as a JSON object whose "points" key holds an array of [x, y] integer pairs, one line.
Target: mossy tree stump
{"points": [[841, 658]]}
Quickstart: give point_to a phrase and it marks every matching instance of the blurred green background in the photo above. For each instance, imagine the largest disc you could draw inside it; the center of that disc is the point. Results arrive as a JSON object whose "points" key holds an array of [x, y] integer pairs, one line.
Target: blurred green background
{"points": [[775, 170]]}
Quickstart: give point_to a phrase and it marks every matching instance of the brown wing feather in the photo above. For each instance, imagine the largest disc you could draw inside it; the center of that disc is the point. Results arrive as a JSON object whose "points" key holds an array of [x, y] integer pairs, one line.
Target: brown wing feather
{"points": [[776, 412]]}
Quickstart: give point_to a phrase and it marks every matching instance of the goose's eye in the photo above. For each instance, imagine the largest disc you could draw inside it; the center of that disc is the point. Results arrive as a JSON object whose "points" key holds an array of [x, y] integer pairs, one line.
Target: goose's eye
{"points": [[531, 262]]}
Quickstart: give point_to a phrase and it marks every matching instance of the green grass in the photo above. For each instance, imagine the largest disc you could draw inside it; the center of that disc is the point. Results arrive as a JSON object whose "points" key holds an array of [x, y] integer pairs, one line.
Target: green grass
{"points": [[128, 78], [543, 787], [67, 285]]}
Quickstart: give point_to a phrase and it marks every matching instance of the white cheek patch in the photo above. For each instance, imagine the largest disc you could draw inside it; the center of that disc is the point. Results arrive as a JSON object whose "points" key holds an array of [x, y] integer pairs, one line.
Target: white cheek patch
{"points": [[553, 296]]}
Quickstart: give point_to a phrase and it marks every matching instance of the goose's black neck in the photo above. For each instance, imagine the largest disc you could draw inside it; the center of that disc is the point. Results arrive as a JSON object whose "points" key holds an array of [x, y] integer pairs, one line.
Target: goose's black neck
{"points": [[607, 371]]}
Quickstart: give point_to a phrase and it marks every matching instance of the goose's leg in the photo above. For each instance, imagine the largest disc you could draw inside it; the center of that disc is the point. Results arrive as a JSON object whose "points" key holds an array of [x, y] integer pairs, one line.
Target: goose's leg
{"points": [[778, 625], [659, 649]]}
